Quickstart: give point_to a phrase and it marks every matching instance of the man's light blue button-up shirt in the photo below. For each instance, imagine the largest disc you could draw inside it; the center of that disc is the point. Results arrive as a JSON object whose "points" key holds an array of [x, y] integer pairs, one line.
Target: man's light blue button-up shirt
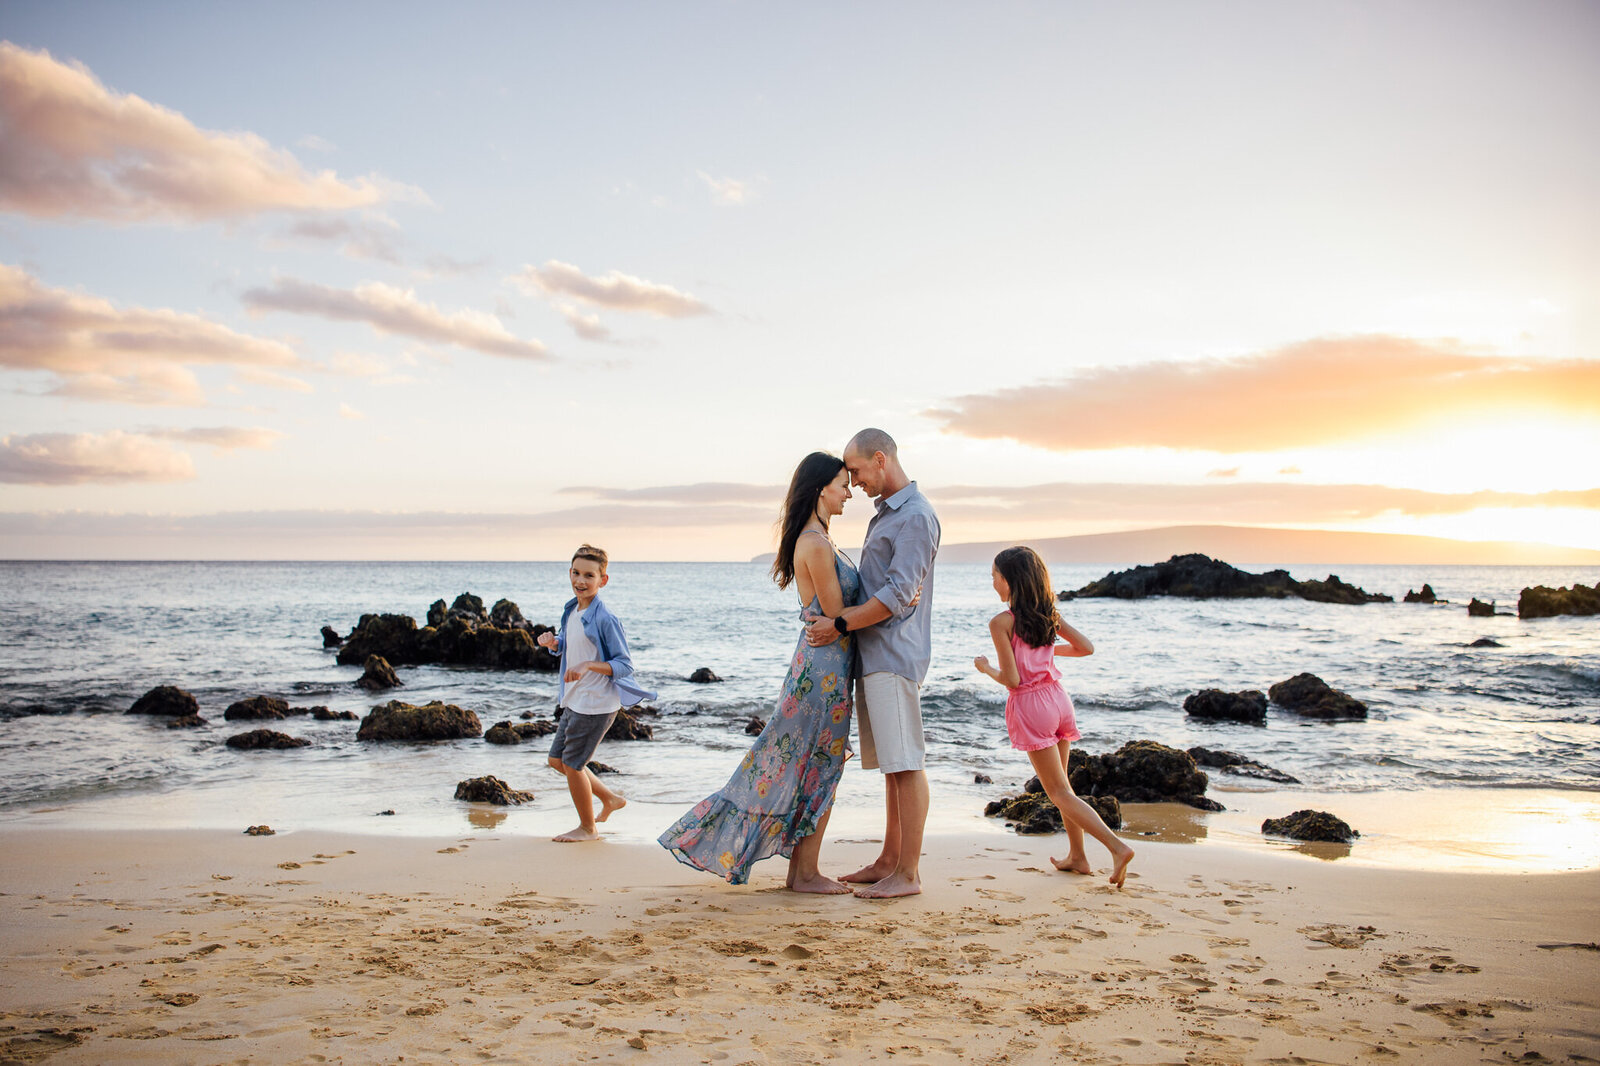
{"points": [[896, 560]]}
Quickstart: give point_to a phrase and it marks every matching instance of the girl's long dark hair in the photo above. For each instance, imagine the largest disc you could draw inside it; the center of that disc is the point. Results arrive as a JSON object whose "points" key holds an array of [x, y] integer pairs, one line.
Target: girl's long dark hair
{"points": [[1033, 604], [805, 489]]}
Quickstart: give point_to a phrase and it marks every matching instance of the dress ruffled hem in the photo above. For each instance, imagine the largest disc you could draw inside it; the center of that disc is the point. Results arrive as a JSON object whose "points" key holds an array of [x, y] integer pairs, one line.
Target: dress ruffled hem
{"points": [[694, 840]]}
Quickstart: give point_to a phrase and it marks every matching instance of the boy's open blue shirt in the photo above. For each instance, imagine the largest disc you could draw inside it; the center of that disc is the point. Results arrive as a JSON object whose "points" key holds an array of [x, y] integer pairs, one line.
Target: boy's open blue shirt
{"points": [[605, 633]]}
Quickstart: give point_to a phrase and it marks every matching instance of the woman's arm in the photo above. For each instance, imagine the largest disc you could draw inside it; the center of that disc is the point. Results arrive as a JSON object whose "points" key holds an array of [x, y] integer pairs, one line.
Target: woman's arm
{"points": [[1077, 645], [1000, 632]]}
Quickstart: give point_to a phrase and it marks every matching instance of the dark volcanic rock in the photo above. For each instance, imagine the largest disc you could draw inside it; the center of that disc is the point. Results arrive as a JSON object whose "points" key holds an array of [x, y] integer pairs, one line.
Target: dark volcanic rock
{"points": [[257, 709], [378, 675], [260, 831], [515, 733], [1033, 812], [188, 721], [1486, 642], [1541, 601], [490, 789], [1311, 825], [1309, 695], [601, 768], [265, 740], [704, 676], [1425, 596], [1234, 763], [628, 727], [1249, 705], [322, 714], [1141, 771], [754, 726], [166, 699], [331, 637], [393, 636], [462, 634], [982, 779], [432, 721], [1332, 590], [1201, 577], [1478, 609]]}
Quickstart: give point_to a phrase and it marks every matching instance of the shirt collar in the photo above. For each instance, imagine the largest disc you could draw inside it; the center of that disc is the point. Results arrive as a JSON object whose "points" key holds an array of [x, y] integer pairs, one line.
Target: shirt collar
{"points": [[898, 498]]}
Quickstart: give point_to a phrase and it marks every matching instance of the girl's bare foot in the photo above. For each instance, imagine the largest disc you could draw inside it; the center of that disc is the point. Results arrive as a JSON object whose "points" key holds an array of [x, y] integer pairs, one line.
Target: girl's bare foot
{"points": [[819, 884], [606, 808], [574, 836], [1073, 864], [1120, 870]]}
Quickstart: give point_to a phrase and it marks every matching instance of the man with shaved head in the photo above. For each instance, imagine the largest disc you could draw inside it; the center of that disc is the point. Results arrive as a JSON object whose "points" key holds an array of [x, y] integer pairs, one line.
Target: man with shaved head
{"points": [[895, 642]]}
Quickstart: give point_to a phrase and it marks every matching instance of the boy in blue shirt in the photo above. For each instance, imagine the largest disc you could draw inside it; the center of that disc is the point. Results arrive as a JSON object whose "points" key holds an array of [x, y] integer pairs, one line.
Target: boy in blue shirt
{"points": [[597, 683]]}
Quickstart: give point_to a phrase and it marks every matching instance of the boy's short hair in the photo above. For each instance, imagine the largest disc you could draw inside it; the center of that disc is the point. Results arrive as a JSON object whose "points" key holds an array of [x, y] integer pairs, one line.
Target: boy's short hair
{"points": [[593, 554]]}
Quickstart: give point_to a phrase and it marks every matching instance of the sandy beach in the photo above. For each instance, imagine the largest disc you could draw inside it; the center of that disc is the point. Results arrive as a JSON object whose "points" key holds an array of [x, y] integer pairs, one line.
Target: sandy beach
{"points": [[206, 947]]}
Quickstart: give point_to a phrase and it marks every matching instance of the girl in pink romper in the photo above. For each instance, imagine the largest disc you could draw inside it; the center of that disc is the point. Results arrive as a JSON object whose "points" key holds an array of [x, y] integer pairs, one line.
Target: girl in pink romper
{"points": [[1039, 713]]}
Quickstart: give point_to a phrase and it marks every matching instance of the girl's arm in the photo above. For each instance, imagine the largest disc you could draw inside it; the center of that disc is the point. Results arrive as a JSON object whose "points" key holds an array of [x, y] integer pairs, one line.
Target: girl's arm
{"points": [[1006, 673], [1076, 646]]}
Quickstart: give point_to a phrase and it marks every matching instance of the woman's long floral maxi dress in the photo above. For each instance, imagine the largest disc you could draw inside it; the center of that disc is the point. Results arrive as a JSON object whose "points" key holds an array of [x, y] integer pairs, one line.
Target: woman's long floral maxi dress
{"points": [[786, 781]]}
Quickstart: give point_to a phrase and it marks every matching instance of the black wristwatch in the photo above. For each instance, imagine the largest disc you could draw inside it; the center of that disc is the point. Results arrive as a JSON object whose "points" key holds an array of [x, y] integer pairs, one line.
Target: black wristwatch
{"points": [[841, 625]]}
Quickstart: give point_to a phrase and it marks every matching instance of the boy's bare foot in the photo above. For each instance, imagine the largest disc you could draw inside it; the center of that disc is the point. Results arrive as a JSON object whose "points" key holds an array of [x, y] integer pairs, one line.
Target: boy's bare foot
{"points": [[1074, 864], [573, 836], [607, 808], [820, 885], [869, 875], [891, 887], [1120, 870]]}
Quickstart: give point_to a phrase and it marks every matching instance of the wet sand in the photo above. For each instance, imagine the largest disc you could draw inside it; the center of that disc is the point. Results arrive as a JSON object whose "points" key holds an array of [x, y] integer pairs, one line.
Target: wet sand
{"points": [[208, 947]]}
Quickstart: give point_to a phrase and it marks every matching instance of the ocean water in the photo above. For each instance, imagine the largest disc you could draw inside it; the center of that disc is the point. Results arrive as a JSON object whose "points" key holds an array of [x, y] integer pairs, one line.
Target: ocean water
{"points": [[79, 642]]}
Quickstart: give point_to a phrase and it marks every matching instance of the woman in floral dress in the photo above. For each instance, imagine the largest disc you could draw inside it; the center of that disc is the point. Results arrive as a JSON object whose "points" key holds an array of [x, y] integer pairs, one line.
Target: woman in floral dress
{"points": [[778, 801]]}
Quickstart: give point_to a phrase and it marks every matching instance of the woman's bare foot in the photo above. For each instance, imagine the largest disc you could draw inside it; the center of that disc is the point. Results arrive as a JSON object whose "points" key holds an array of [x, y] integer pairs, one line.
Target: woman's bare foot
{"points": [[891, 887], [1120, 870], [819, 884], [606, 808], [574, 836], [870, 874], [1074, 864]]}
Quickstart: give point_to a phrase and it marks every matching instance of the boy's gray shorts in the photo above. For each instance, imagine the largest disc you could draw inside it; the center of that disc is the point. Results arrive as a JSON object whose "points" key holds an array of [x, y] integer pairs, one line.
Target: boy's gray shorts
{"points": [[577, 737]]}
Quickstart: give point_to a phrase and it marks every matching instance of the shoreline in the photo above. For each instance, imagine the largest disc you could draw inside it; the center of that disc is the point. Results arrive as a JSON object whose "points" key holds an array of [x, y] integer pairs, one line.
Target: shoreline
{"points": [[189, 945]]}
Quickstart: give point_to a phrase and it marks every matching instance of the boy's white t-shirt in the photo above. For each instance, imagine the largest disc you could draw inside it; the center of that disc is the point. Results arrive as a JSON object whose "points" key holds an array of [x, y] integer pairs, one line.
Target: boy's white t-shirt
{"points": [[592, 693]]}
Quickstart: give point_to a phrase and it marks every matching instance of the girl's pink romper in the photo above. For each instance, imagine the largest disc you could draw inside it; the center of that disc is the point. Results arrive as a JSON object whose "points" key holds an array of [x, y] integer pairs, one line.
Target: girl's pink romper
{"points": [[1038, 711]]}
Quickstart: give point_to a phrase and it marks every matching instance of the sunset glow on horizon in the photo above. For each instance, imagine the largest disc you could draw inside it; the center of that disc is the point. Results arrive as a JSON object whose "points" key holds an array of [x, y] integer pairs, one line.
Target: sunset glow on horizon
{"points": [[488, 283]]}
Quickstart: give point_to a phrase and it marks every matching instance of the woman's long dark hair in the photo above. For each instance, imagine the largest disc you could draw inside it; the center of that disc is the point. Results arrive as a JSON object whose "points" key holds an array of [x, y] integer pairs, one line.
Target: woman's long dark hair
{"points": [[1033, 604], [805, 489]]}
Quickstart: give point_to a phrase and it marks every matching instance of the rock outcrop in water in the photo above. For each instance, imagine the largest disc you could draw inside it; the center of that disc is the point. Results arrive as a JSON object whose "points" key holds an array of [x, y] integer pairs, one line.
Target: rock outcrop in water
{"points": [[462, 634], [1311, 696], [331, 637], [1141, 771], [1212, 703], [1541, 601], [515, 733], [1425, 596], [378, 675], [1478, 609], [1234, 763], [166, 699], [258, 709], [265, 740], [490, 789], [1198, 576], [432, 721], [1311, 825], [1033, 811], [704, 676]]}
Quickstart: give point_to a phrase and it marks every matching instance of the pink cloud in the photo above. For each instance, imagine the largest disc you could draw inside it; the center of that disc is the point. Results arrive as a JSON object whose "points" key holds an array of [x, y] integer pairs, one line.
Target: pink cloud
{"points": [[131, 355], [614, 291], [72, 148], [222, 438], [79, 458], [395, 311], [1315, 392]]}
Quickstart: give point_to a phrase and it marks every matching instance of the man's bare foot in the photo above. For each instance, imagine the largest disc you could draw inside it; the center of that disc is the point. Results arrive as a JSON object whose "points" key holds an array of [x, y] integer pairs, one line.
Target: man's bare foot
{"points": [[818, 884], [1073, 864], [895, 885], [573, 836], [1120, 870], [870, 874], [607, 808]]}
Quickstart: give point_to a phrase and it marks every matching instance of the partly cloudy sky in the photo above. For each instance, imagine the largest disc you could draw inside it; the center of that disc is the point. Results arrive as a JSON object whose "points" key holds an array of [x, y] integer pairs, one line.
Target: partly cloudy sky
{"points": [[312, 281]]}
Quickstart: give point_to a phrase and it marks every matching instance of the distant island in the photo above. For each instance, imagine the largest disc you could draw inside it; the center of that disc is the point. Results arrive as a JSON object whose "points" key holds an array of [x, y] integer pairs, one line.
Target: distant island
{"points": [[1248, 545]]}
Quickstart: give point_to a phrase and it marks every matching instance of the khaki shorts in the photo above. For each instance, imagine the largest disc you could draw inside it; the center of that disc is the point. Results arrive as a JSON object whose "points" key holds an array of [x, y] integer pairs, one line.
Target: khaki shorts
{"points": [[890, 713]]}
